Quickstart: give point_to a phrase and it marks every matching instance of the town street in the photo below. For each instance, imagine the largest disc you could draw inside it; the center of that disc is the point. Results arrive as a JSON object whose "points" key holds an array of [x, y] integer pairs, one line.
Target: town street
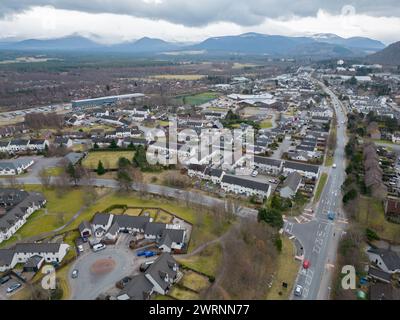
{"points": [[320, 237]]}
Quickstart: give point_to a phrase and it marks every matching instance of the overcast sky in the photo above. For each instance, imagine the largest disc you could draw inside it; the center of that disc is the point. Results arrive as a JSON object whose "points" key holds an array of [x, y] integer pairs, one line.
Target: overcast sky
{"points": [[111, 21]]}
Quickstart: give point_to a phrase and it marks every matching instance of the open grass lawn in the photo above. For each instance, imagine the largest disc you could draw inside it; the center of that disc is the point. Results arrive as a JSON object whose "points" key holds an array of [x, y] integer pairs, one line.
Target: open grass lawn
{"points": [[197, 99], [371, 215], [187, 77], [54, 171], [109, 159], [203, 229], [238, 65], [328, 160], [164, 217], [207, 261], [58, 211], [286, 271], [152, 213], [183, 294], [194, 281], [266, 124], [320, 187], [161, 297], [132, 212]]}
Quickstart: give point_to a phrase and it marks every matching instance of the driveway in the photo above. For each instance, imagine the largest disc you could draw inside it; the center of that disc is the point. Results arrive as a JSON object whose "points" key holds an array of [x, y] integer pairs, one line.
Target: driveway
{"points": [[99, 271]]}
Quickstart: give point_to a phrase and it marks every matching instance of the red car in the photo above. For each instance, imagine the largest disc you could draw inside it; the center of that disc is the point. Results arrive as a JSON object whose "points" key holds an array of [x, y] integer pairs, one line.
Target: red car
{"points": [[306, 264]]}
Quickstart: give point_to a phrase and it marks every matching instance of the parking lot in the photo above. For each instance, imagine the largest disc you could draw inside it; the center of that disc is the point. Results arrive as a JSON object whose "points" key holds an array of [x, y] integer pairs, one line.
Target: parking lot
{"points": [[3, 288], [98, 272]]}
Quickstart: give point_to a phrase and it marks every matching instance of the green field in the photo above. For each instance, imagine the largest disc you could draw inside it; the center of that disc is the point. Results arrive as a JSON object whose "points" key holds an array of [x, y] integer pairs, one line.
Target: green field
{"points": [[207, 261], [320, 187], [371, 215], [196, 99], [109, 159], [287, 268], [57, 212], [266, 124]]}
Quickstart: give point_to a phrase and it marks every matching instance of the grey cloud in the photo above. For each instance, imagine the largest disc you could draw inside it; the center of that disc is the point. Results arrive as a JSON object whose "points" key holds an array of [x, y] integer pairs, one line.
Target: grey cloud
{"points": [[203, 12]]}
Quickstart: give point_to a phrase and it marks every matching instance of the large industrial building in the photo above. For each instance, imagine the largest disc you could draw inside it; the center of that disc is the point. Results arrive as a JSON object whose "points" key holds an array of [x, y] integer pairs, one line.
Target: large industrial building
{"points": [[105, 100]]}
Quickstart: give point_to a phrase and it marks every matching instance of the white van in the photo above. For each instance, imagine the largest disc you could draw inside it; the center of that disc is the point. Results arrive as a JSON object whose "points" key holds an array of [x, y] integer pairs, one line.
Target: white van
{"points": [[98, 247]]}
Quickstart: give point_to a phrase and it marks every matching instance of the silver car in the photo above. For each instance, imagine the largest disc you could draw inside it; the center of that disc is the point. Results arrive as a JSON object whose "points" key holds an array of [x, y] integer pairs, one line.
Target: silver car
{"points": [[298, 291]]}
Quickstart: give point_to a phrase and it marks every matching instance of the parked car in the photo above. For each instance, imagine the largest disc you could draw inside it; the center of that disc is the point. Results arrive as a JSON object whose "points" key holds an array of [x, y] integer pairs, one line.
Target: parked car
{"points": [[123, 282], [306, 264], [75, 274], [140, 253], [149, 254], [4, 279], [13, 287], [80, 248], [254, 174], [298, 291], [98, 247]]}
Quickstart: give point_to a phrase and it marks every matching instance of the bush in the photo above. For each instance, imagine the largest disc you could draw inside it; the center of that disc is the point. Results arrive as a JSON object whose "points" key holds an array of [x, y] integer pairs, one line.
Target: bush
{"points": [[272, 217], [371, 235]]}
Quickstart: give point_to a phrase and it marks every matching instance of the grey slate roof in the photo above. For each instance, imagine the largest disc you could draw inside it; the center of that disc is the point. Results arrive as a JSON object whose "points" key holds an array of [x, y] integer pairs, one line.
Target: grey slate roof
{"points": [[6, 256], [172, 235], [390, 258], [33, 261], [139, 288], [161, 267], [101, 219], [292, 181], [74, 157], [132, 222], [379, 274], [267, 161], [16, 202], [243, 182], [84, 225], [37, 247], [301, 166], [155, 228]]}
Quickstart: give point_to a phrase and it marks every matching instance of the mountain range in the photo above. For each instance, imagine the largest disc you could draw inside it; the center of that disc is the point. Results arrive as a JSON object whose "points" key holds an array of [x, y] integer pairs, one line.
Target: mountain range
{"points": [[389, 55], [323, 45]]}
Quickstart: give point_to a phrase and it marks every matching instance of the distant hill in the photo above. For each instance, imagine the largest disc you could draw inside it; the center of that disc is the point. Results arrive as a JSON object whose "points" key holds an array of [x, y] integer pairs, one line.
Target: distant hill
{"points": [[358, 43], [71, 43], [387, 56], [317, 46], [146, 45]]}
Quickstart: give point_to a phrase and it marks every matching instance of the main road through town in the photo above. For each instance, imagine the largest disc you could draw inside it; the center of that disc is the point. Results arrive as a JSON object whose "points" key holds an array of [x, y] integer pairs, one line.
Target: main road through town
{"points": [[320, 237]]}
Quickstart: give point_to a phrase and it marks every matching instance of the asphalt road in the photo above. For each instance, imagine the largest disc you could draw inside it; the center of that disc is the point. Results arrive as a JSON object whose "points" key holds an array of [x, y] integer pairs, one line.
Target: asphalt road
{"points": [[178, 194], [320, 237]]}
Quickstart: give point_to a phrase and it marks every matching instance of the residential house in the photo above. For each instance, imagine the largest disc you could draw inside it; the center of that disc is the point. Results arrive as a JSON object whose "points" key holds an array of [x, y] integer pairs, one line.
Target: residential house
{"points": [[243, 186], [163, 273], [18, 145], [307, 170], [101, 223], [14, 167], [15, 208], [158, 278], [386, 260], [63, 142], [38, 144], [291, 185], [85, 229], [24, 252], [172, 239], [392, 209], [268, 165]]}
